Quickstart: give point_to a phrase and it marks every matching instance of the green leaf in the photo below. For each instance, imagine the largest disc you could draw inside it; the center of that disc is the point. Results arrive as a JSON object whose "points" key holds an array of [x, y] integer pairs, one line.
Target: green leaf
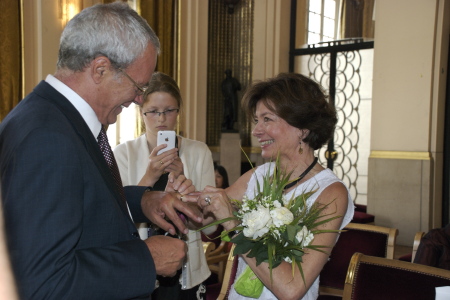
{"points": [[291, 232], [270, 251], [218, 222], [242, 248], [301, 271], [259, 252]]}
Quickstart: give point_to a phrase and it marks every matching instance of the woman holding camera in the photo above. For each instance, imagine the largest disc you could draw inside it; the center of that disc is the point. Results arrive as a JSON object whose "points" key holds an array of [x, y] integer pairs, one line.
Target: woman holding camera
{"points": [[140, 164]]}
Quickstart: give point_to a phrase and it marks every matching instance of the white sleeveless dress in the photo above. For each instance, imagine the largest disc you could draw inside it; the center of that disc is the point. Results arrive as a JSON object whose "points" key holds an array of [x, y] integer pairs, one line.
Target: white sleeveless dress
{"points": [[320, 181]]}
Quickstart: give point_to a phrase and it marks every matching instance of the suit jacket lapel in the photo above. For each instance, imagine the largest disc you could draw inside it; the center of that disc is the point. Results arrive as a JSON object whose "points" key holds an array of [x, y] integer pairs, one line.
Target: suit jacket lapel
{"points": [[85, 134]]}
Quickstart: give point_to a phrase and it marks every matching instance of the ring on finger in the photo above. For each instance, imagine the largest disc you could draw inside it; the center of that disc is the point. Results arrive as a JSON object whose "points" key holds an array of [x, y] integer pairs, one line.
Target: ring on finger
{"points": [[161, 162], [208, 200]]}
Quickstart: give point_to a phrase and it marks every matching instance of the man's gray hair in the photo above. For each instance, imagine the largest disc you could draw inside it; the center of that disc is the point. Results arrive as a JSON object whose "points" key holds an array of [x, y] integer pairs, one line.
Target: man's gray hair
{"points": [[113, 30]]}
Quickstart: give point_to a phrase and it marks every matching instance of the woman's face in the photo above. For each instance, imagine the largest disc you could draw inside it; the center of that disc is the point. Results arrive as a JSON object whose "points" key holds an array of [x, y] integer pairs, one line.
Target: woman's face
{"points": [[274, 134], [160, 102], [219, 179]]}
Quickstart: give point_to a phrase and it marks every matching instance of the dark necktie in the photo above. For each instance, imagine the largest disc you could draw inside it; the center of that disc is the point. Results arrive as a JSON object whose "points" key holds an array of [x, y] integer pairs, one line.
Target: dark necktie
{"points": [[112, 164]]}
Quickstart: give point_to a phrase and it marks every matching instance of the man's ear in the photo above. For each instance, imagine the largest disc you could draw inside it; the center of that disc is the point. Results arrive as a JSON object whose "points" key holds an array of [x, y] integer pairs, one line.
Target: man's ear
{"points": [[100, 67]]}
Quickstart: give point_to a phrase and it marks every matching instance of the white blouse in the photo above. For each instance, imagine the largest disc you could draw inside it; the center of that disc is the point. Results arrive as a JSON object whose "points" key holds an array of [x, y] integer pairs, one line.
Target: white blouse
{"points": [[320, 181], [132, 160]]}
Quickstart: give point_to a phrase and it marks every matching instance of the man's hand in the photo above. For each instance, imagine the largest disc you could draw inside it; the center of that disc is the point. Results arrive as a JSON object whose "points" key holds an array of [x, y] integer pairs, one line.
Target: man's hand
{"points": [[215, 205], [160, 205], [191, 224], [168, 254]]}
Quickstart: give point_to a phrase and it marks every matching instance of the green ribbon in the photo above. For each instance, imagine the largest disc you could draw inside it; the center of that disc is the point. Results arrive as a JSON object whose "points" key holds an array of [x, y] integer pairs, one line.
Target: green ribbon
{"points": [[248, 284]]}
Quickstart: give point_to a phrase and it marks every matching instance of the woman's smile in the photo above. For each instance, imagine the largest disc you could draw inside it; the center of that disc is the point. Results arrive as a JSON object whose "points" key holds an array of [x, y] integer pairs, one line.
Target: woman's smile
{"points": [[266, 143]]}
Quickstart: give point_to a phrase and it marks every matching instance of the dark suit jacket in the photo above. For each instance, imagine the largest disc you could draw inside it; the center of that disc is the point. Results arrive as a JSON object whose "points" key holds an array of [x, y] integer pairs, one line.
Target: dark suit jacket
{"points": [[69, 234], [434, 248]]}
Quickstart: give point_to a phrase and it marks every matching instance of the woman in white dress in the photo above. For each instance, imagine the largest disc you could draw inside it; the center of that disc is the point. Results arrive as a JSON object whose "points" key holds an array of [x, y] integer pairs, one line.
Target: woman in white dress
{"points": [[292, 119], [139, 164]]}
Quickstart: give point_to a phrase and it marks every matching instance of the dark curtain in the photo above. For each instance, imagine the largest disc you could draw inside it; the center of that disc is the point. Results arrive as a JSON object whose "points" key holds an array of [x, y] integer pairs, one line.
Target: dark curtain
{"points": [[11, 84], [357, 19], [160, 15]]}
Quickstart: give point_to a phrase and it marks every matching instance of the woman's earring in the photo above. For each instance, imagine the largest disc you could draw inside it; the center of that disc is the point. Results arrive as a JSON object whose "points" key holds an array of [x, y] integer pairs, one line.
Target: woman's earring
{"points": [[300, 150]]}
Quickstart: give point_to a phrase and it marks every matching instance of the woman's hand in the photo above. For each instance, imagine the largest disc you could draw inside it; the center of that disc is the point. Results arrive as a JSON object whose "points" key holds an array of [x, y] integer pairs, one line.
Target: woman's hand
{"points": [[176, 167], [158, 164], [180, 184], [213, 202]]}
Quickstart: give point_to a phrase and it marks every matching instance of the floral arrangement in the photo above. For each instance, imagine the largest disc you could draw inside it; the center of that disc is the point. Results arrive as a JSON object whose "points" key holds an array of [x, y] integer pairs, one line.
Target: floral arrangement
{"points": [[274, 228]]}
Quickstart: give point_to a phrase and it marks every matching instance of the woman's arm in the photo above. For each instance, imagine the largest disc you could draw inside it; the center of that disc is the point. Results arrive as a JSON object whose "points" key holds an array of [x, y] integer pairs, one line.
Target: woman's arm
{"points": [[284, 286]]}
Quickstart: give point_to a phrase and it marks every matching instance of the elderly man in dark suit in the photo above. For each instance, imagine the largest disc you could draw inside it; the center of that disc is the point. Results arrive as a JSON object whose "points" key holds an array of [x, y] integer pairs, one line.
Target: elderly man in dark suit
{"points": [[68, 221]]}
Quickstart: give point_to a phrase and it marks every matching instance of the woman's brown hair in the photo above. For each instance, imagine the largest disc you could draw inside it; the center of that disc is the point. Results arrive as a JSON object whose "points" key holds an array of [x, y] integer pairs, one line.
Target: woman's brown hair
{"points": [[297, 99]]}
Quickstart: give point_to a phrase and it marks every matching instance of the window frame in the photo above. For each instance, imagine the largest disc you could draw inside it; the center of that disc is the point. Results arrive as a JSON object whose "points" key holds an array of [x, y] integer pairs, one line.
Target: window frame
{"points": [[322, 17]]}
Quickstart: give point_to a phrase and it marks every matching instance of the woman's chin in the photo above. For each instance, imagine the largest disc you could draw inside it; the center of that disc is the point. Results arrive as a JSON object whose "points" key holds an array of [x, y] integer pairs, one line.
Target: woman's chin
{"points": [[268, 154]]}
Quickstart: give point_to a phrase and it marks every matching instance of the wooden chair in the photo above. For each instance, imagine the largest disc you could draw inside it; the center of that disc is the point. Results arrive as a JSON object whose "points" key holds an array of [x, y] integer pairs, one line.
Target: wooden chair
{"points": [[410, 256], [220, 291], [361, 216], [216, 258], [230, 274], [370, 277], [208, 247], [364, 238], [416, 243]]}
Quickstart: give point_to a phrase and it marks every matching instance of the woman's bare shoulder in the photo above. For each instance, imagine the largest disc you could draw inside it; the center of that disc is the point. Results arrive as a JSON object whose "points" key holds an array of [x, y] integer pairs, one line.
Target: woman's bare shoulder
{"points": [[337, 193]]}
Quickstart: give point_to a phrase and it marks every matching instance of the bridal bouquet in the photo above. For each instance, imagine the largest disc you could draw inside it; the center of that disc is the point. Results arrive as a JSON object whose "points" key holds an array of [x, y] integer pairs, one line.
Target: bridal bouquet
{"points": [[274, 228]]}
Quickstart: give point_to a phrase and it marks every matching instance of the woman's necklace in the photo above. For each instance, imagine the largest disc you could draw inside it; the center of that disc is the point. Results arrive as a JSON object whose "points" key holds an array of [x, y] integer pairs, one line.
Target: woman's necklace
{"points": [[302, 175]]}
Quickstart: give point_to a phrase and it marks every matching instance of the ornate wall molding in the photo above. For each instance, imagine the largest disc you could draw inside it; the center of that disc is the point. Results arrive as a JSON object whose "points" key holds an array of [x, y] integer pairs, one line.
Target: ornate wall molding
{"points": [[411, 155]]}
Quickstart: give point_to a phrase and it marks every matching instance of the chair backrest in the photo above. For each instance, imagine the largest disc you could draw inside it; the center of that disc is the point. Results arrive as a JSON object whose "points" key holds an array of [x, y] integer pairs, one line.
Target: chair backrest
{"points": [[370, 277], [208, 247], [416, 243], [230, 274], [217, 258], [364, 238]]}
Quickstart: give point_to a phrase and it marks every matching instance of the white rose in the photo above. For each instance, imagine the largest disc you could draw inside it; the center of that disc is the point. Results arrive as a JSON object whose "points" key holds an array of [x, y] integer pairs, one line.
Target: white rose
{"points": [[277, 204], [257, 222], [281, 216], [304, 236]]}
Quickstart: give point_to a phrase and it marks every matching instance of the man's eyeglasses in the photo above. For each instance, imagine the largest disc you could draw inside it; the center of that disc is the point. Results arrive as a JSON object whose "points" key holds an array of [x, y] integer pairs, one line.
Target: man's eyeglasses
{"points": [[167, 113], [140, 89]]}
